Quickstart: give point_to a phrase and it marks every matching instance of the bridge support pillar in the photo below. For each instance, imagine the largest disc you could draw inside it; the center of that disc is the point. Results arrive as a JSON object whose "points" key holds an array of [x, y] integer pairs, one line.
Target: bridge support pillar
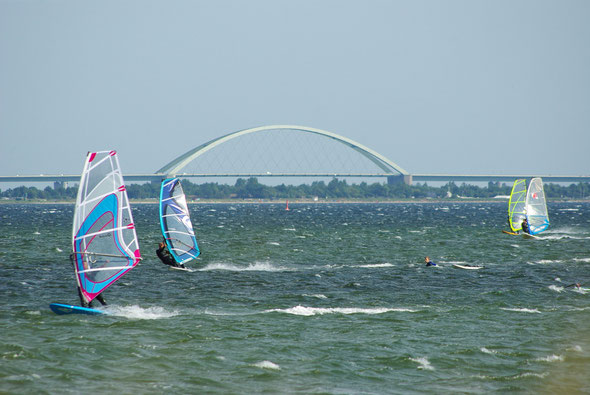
{"points": [[406, 179]]}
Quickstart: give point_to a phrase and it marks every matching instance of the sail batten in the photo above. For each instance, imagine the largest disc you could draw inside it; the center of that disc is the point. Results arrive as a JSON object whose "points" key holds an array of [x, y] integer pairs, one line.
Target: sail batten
{"points": [[105, 245], [175, 222]]}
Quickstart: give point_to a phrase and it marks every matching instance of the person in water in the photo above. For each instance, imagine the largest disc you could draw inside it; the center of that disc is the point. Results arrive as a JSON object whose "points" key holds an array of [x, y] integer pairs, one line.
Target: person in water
{"points": [[165, 256], [525, 226], [429, 262]]}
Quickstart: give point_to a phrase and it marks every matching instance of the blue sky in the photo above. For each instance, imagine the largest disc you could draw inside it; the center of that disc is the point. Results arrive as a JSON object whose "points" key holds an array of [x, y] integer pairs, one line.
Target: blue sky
{"points": [[491, 87]]}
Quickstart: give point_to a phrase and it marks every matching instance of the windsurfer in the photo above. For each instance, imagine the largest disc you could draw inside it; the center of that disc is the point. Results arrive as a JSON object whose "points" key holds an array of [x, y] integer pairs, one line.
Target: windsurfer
{"points": [[166, 257], [525, 226], [429, 262], [89, 304]]}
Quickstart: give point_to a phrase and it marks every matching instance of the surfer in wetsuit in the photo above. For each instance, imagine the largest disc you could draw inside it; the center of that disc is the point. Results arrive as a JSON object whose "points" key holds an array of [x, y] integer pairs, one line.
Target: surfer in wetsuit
{"points": [[525, 226], [165, 256], [429, 262], [83, 302]]}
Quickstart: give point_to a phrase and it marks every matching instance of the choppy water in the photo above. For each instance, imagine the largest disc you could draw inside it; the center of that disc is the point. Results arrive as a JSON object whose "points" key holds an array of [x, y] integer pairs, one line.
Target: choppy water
{"points": [[325, 298]]}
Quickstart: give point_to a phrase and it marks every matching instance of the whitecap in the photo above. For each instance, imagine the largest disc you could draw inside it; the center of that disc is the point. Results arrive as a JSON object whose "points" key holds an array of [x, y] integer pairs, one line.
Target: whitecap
{"points": [[273, 243], [58, 249], [290, 229], [36, 233], [252, 267], [582, 260], [551, 358], [319, 296], [137, 312], [488, 351], [522, 310], [375, 265], [310, 311], [267, 365], [556, 288], [423, 363]]}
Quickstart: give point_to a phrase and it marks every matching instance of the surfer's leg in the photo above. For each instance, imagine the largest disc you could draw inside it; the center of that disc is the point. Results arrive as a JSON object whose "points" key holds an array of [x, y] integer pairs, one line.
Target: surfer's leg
{"points": [[82, 301], [101, 299]]}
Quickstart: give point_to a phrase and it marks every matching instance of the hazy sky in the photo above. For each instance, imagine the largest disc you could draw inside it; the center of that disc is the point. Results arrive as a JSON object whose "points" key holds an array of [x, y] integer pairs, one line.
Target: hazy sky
{"points": [[492, 87]]}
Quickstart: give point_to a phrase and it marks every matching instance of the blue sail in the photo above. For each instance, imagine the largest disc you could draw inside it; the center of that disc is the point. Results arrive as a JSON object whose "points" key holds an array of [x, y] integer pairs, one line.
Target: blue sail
{"points": [[175, 221]]}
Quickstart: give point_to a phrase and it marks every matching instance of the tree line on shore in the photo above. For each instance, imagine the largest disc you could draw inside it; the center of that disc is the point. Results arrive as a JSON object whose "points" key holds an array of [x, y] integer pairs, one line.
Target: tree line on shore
{"points": [[335, 189]]}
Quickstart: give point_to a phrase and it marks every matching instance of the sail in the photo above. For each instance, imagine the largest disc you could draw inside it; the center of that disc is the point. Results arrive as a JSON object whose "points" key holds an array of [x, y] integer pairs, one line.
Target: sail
{"points": [[175, 221], [536, 207], [104, 240], [516, 204]]}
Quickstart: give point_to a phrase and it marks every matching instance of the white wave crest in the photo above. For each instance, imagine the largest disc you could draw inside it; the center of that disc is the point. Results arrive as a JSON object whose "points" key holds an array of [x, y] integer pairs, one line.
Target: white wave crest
{"points": [[556, 288], [309, 311], [319, 296], [423, 363], [136, 312], [267, 365], [551, 358], [548, 261], [582, 260], [488, 351], [375, 265], [522, 310], [252, 267]]}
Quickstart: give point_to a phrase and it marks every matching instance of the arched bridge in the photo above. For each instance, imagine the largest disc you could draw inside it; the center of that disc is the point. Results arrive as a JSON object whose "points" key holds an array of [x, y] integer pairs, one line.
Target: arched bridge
{"points": [[386, 168]]}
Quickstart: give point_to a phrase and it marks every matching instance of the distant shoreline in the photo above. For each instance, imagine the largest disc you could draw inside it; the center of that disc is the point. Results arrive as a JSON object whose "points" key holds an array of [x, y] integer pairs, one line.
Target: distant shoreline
{"points": [[303, 201]]}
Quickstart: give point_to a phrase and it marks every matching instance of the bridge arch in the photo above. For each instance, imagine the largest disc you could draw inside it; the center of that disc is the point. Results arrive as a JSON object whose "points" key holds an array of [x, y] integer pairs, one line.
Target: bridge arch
{"points": [[388, 166]]}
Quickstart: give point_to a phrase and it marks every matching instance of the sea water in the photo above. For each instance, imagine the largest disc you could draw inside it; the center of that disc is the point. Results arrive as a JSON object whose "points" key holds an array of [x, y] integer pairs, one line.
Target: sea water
{"points": [[323, 298]]}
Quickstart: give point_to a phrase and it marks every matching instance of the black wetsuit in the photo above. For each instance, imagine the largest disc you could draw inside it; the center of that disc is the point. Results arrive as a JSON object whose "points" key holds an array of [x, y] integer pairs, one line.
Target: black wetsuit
{"points": [[98, 297], [525, 227], [83, 303], [167, 258]]}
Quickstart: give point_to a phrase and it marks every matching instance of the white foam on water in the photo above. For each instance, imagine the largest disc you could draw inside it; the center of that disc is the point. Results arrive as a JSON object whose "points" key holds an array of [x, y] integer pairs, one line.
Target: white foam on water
{"points": [[587, 260], [252, 267], [137, 312], [290, 229], [273, 243], [375, 265], [558, 279], [267, 365], [319, 296], [36, 233], [548, 261], [551, 358], [575, 348], [311, 311], [488, 351], [521, 310], [423, 363], [556, 288], [58, 249]]}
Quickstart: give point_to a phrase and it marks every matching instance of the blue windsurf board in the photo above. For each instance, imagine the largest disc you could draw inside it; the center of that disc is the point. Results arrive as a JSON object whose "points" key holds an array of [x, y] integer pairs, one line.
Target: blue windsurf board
{"points": [[61, 309]]}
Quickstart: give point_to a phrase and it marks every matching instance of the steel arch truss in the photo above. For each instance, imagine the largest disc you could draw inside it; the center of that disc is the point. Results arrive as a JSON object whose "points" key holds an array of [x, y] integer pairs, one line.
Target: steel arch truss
{"points": [[382, 162]]}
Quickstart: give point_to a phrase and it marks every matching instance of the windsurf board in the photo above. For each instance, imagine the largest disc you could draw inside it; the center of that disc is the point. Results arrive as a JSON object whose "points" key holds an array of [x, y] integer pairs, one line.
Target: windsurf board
{"points": [[61, 309], [467, 267]]}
